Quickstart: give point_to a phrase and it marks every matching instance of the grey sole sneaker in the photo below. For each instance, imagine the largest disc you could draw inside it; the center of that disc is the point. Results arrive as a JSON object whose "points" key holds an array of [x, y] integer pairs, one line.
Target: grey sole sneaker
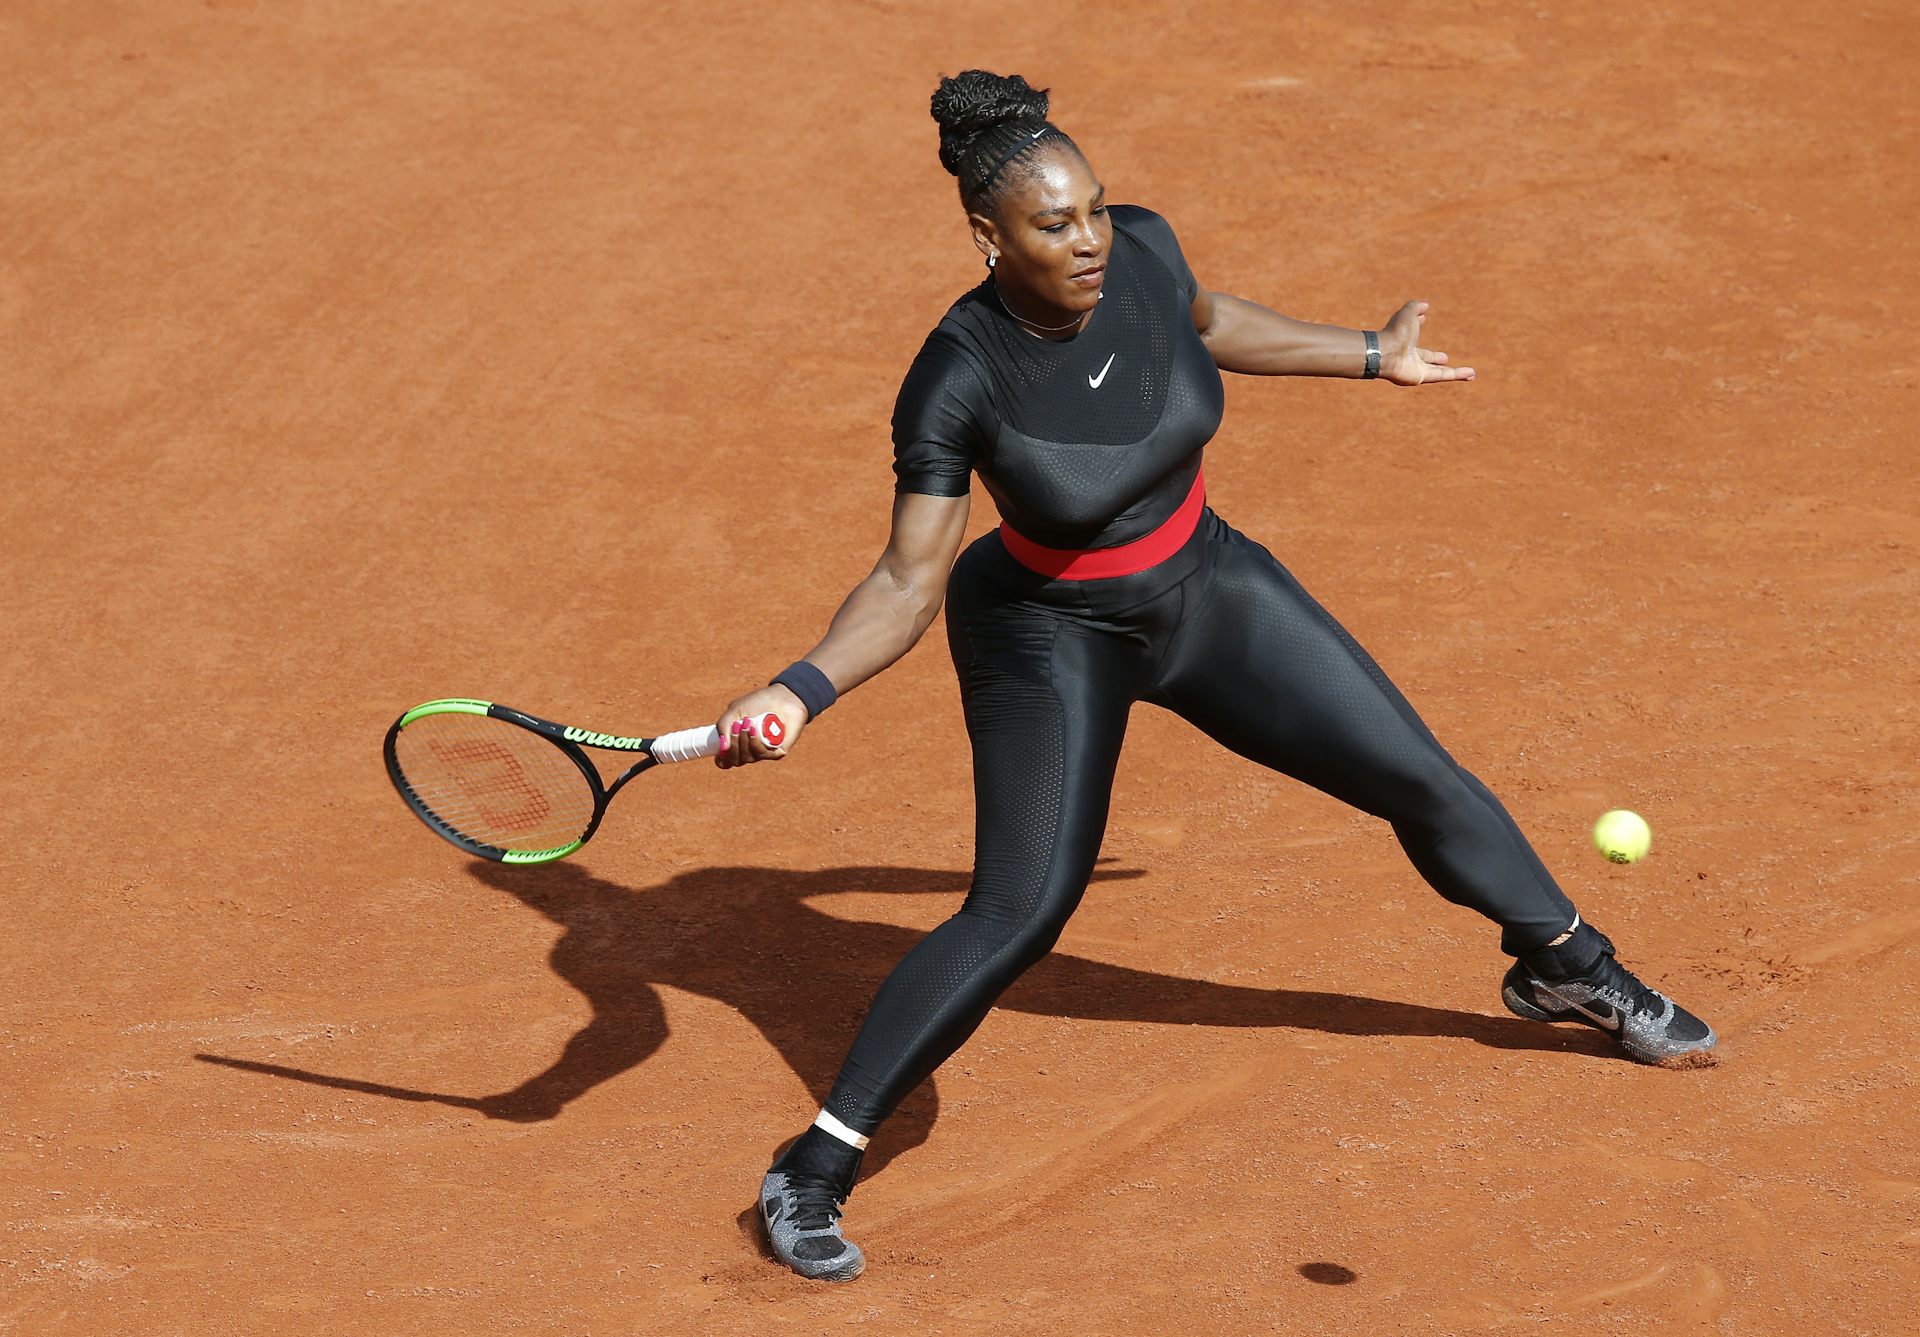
{"points": [[801, 1218], [1648, 1025]]}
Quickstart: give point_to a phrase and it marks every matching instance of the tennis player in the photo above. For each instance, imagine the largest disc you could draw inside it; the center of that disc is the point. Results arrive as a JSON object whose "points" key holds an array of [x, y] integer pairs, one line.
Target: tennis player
{"points": [[1081, 381]]}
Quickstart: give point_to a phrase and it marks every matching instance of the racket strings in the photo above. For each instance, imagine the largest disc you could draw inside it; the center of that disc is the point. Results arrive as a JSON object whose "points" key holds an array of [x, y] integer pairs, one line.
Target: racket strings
{"points": [[494, 783]]}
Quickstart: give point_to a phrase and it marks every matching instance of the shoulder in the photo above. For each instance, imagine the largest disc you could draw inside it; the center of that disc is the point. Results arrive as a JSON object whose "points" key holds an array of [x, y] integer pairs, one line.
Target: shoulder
{"points": [[1156, 234], [1141, 221], [940, 417], [949, 363], [945, 395]]}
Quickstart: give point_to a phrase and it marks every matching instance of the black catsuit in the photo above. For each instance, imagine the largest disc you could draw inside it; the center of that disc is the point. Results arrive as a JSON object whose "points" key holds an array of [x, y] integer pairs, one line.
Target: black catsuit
{"points": [[1088, 443]]}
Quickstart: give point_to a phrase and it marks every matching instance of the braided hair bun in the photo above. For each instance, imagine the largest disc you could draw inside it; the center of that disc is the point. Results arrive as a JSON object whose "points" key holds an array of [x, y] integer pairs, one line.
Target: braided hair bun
{"points": [[988, 122]]}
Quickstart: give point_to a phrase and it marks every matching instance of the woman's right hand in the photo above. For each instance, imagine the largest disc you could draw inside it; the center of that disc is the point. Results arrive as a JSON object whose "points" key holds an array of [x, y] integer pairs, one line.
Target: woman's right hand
{"points": [[743, 745]]}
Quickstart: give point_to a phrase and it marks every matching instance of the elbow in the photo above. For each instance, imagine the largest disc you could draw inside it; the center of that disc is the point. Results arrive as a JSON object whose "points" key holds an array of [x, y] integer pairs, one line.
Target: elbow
{"points": [[925, 610], [930, 589], [917, 593], [923, 599], [1214, 340]]}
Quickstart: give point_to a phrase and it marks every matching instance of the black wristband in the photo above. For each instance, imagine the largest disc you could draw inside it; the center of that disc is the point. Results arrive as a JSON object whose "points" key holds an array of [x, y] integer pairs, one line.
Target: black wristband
{"points": [[1373, 356], [813, 687]]}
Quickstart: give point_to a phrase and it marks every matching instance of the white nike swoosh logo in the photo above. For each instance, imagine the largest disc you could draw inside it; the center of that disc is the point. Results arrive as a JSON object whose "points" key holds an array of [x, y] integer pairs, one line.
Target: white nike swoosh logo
{"points": [[1094, 381], [1608, 1023]]}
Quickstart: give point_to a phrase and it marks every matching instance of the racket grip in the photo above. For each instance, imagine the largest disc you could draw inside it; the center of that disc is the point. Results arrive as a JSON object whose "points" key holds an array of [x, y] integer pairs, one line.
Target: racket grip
{"points": [[687, 744]]}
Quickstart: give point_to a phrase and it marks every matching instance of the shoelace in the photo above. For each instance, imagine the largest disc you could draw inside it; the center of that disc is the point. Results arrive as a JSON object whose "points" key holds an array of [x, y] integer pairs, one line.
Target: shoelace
{"points": [[1617, 980], [816, 1201]]}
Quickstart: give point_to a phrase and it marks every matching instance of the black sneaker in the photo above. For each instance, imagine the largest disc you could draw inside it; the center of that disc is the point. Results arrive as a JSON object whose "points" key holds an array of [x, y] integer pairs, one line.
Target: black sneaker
{"points": [[1581, 981], [801, 1213]]}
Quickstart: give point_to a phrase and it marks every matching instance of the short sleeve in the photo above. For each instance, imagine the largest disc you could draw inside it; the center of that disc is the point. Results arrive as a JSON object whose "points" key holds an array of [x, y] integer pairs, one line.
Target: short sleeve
{"points": [[937, 421], [1156, 235]]}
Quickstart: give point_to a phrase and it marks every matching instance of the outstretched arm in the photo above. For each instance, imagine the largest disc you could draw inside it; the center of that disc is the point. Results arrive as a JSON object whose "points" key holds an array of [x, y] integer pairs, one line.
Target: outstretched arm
{"points": [[881, 619], [1247, 337]]}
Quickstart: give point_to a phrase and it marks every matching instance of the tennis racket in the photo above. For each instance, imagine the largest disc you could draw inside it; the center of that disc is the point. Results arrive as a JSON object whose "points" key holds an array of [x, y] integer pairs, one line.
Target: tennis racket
{"points": [[512, 787]]}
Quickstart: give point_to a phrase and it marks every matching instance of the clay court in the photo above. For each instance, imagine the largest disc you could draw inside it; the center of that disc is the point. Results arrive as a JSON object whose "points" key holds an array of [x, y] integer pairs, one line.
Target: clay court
{"points": [[357, 354]]}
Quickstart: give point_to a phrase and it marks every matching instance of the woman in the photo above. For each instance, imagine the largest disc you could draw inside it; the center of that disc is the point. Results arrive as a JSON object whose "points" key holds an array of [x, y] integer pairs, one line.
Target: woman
{"points": [[1081, 380]]}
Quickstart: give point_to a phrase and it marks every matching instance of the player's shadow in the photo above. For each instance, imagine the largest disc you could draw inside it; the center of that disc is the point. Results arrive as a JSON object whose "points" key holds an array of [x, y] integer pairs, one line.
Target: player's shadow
{"points": [[750, 938]]}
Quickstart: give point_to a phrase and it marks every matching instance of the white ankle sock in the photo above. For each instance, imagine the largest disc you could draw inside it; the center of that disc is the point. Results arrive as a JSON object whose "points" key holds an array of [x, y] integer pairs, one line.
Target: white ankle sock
{"points": [[1564, 936], [831, 1126]]}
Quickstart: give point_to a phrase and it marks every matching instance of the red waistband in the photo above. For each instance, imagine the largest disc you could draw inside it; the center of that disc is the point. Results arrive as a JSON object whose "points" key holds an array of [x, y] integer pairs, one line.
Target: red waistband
{"points": [[1124, 560]]}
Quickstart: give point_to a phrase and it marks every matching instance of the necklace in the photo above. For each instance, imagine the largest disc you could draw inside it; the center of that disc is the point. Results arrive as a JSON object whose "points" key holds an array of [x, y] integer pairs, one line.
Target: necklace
{"points": [[1034, 324]]}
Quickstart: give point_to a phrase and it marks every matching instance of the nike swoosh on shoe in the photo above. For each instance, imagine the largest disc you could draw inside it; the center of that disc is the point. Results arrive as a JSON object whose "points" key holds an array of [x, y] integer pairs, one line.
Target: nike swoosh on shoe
{"points": [[1610, 1022]]}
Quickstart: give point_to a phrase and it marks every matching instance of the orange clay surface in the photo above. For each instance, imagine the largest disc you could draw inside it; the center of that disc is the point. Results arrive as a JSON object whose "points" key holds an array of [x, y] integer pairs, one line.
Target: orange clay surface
{"points": [[355, 354]]}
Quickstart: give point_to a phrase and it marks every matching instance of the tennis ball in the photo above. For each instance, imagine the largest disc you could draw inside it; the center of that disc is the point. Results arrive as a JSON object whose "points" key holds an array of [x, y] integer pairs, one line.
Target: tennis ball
{"points": [[1622, 836]]}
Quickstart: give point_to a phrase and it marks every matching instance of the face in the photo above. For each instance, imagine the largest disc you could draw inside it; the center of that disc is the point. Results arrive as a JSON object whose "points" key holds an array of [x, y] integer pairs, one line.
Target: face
{"points": [[1051, 233]]}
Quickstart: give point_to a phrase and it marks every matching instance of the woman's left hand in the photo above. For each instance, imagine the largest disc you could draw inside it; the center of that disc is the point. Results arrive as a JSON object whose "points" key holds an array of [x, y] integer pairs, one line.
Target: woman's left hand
{"points": [[1403, 361]]}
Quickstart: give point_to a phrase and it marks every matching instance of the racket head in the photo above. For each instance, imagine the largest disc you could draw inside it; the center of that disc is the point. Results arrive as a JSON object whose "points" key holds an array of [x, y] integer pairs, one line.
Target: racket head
{"points": [[492, 786]]}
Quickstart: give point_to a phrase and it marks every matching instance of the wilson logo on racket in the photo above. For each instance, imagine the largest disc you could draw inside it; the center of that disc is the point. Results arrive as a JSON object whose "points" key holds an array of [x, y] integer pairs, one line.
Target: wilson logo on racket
{"points": [[625, 744]]}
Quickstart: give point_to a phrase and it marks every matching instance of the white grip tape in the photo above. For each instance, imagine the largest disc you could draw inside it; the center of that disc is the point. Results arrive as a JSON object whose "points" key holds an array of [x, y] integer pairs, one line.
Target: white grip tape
{"points": [[687, 744]]}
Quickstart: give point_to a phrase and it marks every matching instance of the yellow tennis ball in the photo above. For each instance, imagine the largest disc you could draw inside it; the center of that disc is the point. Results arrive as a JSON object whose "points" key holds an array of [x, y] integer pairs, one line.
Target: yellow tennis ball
{"points": [[1622, 836]]}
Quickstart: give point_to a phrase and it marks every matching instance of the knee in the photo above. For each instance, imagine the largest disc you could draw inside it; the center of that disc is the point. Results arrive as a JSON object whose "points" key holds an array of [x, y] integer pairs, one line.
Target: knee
{"points": [[1024, 927], [1036, 939], [1437, 794]]}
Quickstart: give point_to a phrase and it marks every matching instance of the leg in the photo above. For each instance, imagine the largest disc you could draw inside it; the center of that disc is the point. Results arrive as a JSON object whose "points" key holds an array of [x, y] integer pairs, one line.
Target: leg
{"points": [[1269, 673], [1046, 708], [1265, 670]]}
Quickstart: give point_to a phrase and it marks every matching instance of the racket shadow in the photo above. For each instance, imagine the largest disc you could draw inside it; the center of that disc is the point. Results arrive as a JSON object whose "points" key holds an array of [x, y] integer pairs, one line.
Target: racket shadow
{"points": [[750, 938]]}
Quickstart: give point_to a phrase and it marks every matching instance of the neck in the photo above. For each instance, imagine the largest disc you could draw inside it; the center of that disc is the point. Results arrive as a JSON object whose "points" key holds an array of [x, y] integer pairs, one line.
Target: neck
{"points": [[1042, 329]]}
